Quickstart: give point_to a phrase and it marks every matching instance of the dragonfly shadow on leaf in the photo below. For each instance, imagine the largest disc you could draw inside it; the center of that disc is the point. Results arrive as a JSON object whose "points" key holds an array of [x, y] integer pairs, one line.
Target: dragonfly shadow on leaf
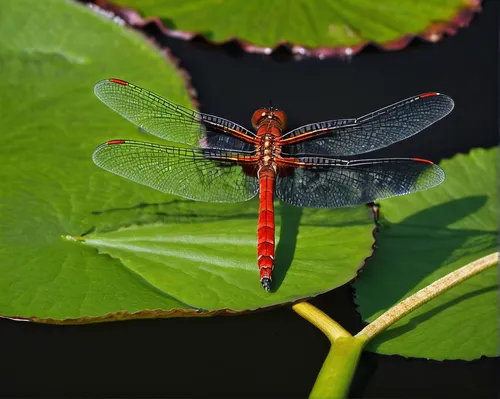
{"points": [[290, 221], [182, 210], [292, 218], [409, 251], [141, 205]]}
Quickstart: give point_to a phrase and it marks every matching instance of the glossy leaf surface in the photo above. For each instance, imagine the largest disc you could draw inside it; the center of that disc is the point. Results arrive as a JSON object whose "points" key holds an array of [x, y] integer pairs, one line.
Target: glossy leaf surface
{"points": [[424, 237], [317, 27], [146, 254]]}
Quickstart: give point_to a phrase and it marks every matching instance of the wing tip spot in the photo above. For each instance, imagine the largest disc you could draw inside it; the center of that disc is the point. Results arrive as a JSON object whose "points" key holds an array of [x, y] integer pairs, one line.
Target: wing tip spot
{"points": [[423, 161], [119, 81], [110, 142], [432, 94]]}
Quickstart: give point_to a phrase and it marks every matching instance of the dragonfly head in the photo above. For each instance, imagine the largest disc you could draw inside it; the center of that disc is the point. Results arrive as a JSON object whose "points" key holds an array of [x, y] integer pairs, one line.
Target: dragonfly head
{"points": [[269, 113]]}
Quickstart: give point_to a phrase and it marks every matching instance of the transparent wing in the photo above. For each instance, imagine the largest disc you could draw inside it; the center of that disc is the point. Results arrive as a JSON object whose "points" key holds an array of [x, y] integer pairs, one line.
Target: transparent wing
{"points": [[376, 130], [330, 183], [204, 175], [170, 121]]}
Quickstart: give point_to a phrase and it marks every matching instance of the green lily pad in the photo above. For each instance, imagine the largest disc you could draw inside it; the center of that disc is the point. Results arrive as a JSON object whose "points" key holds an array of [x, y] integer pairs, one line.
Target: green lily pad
{"points": [[318, 27], [51, 55], [424, 237], [145, 254]]}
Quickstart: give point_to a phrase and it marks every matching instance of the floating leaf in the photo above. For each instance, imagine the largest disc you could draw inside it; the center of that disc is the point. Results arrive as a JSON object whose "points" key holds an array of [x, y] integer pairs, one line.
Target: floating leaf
{"points": [[422, 238], [167, 256], [318, 28], [51, 54]]}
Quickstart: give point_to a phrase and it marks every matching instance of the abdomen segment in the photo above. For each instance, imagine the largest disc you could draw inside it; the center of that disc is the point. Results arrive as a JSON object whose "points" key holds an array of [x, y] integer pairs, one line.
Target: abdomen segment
{"points": [[265, 246]]}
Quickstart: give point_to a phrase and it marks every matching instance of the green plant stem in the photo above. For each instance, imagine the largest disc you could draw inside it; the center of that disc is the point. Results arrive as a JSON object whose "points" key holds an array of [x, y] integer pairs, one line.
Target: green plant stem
{"points": [[337, 372], [426, 294], [339, 366], [321, 320]]}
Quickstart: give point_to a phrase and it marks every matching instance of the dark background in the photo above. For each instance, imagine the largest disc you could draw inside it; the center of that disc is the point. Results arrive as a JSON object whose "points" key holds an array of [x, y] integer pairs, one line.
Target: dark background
{"points": [[276, 353]]}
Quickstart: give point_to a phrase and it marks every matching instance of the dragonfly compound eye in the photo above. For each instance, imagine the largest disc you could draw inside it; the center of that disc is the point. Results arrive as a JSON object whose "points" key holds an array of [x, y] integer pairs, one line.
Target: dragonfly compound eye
{"points": [[271, 113], [281, 116], [258, 115]]}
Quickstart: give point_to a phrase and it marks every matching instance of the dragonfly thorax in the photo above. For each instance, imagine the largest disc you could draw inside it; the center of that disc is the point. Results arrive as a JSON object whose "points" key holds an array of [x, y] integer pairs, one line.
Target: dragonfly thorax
{"points": [[267, 151]]}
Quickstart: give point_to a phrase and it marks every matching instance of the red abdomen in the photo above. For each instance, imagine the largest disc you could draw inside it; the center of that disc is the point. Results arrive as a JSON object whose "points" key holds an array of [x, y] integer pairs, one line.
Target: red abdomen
{"points": [[265, 246]]}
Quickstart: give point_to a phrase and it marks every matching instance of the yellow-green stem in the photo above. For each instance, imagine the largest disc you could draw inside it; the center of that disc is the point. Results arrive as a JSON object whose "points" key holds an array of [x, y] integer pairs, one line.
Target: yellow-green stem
{"points": [[338, 369], [340, 365], [327, 325], [337, 372], [426, 294]]}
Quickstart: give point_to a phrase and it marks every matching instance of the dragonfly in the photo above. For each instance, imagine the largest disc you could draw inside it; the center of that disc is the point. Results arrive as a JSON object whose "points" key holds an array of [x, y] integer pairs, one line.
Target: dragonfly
{"points": [[221, 161]]}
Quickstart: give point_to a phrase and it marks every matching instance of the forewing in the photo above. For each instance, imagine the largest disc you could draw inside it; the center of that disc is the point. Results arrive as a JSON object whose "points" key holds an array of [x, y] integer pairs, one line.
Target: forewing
{"points": [[170, 121], [329, 183], [204, 175], [370, 132]]}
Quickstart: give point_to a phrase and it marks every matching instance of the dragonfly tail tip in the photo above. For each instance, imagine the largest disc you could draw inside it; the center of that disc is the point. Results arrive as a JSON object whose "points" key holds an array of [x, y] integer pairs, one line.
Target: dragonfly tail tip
{"points": [[266, 283]]}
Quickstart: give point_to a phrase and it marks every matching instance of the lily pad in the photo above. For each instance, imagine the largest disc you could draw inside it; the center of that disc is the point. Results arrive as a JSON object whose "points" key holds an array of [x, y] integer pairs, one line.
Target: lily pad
{"points": [[316, 28], [144, 254], [51, 54], [424, 237]]}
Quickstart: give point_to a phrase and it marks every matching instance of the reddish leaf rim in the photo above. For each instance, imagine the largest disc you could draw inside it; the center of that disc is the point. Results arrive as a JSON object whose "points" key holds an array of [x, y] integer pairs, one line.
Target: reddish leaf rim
{"points": [[126, 315], [165, 51], [433, 33]]}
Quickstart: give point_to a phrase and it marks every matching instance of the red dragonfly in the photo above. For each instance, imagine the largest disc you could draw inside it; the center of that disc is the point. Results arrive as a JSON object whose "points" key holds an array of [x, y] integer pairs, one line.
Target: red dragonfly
{"points": [[227, 163]]}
